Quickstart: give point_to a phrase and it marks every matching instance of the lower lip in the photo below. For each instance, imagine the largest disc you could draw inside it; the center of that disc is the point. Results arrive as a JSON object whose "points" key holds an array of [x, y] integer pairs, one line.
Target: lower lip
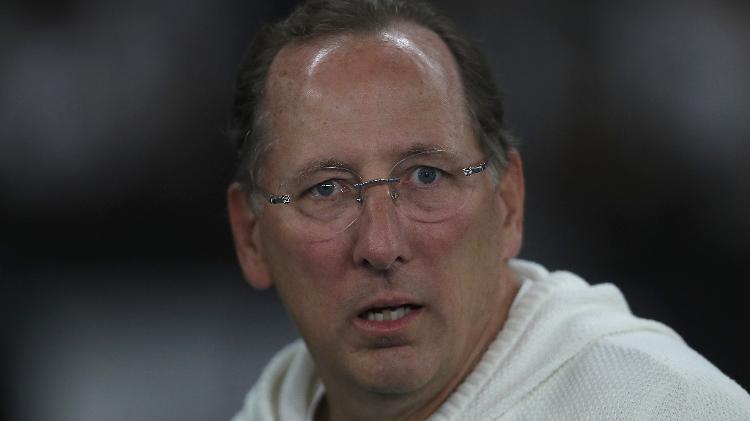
{"points": [[387, 326]]}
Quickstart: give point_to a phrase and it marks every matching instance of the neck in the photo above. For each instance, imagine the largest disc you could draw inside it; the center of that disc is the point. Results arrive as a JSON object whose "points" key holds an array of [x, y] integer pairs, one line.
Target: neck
{"points": [[418, 405]]}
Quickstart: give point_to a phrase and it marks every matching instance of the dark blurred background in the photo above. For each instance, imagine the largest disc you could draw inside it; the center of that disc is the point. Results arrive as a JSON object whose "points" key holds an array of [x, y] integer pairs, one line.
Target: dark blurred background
{"points": [[120, 296]]}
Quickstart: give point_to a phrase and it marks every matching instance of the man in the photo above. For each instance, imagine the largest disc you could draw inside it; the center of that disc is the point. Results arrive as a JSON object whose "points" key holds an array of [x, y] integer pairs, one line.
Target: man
{"points": [[380, 195]]}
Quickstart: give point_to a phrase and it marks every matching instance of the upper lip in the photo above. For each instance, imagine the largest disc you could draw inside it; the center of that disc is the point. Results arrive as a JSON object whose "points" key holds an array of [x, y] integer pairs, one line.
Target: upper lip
{"points": [[390, 300]]}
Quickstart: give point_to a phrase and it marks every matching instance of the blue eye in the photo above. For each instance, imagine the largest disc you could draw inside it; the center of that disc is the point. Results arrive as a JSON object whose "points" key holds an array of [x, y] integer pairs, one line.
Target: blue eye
{"points": [[426, 175], [324, 189]]}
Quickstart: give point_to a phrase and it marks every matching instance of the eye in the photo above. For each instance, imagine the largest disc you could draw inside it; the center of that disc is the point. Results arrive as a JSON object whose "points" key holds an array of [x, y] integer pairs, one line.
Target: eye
{"points": [[324, 189], [328, 189], [425, 175]]}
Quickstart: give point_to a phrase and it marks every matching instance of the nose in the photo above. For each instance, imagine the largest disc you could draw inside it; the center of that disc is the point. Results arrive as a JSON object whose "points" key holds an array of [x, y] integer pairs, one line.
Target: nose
{"points": [[380, 240]]}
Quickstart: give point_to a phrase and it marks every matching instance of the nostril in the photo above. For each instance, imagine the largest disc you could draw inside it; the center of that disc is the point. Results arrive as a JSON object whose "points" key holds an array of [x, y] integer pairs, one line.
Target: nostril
{"points": [[381, 268]]}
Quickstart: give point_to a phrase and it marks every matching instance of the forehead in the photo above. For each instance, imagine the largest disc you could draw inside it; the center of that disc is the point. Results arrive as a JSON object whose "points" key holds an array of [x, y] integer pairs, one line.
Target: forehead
{"points": [[328, 62], [376, 95]]}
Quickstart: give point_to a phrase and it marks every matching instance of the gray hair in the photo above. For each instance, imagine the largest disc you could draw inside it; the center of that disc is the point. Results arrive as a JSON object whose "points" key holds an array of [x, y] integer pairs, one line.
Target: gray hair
{"points": [[318, 18]]}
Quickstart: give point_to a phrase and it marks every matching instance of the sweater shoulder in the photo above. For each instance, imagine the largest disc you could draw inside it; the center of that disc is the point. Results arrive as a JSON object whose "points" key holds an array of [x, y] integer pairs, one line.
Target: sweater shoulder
{"points": [[665, 377], [638, 375]]}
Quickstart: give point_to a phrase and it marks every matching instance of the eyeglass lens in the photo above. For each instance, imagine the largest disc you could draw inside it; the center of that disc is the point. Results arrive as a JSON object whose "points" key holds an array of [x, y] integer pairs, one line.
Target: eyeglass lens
{"points": [[431, 187]]}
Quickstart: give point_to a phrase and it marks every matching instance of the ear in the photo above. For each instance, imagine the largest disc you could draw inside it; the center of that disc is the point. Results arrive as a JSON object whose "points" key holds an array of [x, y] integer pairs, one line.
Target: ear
{"points": [[512, 192], [247, 243]]}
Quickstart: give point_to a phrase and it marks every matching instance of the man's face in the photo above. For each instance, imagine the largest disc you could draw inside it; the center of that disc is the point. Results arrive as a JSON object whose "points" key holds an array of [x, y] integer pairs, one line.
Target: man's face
{"points": [[363, 101]]}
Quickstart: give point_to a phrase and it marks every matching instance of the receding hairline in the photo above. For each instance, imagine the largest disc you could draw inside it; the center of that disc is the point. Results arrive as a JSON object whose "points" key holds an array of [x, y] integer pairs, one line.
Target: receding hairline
{"points": [[423, 37], [300, 51]]}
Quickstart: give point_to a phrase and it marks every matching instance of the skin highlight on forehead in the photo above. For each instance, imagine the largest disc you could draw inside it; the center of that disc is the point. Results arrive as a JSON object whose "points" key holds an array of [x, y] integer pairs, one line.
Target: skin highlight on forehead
{"points": [[305, 63], [364, 71]]}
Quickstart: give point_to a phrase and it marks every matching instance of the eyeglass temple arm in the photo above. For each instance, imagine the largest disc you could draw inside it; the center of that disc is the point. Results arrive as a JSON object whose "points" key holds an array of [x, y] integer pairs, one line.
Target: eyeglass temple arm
{"points": [[275, 200], [475, 169]]}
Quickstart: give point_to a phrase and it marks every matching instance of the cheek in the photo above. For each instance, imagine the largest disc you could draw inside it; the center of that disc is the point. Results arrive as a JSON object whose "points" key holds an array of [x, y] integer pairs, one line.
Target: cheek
{"points": [[464, 257], [442, 257], [463, 242], [305, 274], [440, 243]]}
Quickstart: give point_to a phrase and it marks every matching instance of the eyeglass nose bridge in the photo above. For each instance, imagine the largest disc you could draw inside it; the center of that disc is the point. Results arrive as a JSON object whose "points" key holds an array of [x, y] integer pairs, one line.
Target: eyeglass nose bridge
{"points": [[361, 187]]}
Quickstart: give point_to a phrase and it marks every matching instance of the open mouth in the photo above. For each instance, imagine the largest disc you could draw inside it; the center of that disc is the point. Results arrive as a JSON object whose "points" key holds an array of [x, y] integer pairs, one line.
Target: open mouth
{"points": [[388, 313]]}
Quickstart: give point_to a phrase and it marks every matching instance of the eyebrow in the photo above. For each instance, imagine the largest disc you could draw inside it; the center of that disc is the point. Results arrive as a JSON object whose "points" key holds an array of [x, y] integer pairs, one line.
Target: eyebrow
{"points": [[418, 148], [318, 164]]}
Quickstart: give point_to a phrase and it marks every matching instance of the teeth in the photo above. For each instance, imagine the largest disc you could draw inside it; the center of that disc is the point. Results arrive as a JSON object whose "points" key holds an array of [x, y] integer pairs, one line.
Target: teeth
{"points": [[395, 315], [389, 314]]}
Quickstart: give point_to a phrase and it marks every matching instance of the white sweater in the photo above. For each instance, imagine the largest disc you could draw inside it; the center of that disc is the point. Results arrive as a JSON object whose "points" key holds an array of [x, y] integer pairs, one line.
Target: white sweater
{"points": [[568, 351]]}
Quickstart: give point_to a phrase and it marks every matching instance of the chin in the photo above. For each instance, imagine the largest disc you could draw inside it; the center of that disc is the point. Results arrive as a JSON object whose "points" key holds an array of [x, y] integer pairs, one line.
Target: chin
{"points": [[392, 373], [393, 385]]}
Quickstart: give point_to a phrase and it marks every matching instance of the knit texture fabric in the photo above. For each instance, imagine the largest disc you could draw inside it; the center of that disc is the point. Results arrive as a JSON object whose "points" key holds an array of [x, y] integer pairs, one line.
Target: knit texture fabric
{"points": [[568, 351]]}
